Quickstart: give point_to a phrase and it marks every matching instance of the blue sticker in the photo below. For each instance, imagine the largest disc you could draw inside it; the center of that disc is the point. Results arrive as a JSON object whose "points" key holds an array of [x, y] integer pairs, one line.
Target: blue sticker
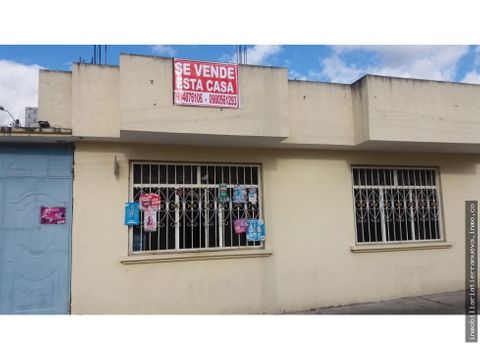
{"points": [[239, 194], [251, 231], [132, 213], [261, 230], [256, 230], [252, 196]]}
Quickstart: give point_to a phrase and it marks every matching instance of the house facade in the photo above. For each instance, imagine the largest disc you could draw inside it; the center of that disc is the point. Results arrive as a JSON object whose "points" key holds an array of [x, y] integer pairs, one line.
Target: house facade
{"points": [[355, 192]]}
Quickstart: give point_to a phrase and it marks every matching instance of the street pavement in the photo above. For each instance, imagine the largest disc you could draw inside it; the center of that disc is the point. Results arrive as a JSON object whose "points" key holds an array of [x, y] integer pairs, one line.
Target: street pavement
{"points": [[437, 304]]}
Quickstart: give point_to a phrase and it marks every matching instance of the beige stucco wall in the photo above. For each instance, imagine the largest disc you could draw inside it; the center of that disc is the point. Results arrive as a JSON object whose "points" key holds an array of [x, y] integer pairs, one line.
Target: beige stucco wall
{"points": [[55, 98], [310, 228], [320, 113], [95, 100], [147, 102], [423, 111], [134, 102], [360, 110]]}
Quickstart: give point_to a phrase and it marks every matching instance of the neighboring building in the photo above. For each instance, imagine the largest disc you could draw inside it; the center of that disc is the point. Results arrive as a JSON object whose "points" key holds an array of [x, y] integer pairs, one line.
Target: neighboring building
{"points": [[361, 188], [31, 117]]}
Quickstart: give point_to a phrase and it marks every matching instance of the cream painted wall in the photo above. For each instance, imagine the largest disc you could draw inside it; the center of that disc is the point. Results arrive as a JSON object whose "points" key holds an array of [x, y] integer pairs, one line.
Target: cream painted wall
{"points": [[320, 113], [95, 100], [55, 98], [360, 110], [135, 101], [430, 111], [309, 223], [147, 102]]}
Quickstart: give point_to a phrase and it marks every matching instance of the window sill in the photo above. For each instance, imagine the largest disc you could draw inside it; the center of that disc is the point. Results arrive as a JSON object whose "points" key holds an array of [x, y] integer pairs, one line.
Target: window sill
{"points": [[192, 256], [400, 247]]}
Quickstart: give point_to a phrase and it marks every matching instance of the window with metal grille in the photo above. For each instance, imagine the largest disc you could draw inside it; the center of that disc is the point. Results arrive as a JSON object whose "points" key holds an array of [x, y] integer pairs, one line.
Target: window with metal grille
{"points": [[191, 215], [396, 204]]}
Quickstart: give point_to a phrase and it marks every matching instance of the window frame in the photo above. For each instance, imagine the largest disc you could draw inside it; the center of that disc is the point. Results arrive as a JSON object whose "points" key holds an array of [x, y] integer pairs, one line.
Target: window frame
{"points": [[157, 252], [438, 188]]}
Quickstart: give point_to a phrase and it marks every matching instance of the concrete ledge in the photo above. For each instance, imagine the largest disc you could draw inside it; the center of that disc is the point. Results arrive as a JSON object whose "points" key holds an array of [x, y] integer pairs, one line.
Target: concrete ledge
{"points": [[197, 255], [368, 248], [51, 131]]}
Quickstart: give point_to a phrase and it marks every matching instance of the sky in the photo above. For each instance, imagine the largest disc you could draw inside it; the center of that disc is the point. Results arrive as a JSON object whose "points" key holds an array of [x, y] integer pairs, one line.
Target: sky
{"points": [[19, 64]]}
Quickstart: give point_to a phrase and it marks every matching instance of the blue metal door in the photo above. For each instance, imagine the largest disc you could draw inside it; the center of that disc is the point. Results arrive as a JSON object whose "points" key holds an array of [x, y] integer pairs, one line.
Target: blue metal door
{"points": [[34, 257]]}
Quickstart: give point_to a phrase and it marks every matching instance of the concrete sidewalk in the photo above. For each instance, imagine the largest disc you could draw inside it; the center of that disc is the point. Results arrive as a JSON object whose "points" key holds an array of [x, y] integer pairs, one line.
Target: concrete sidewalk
{"points": [[437, 304]]}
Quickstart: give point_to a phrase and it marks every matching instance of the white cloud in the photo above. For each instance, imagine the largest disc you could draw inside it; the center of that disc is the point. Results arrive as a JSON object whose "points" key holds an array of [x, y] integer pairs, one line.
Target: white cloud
{"points": [[424, 62], [256, 55], [18, 89], [336, 70], [227, 58], [473, 77], [259, 54], [295, 75], [164, 50]]}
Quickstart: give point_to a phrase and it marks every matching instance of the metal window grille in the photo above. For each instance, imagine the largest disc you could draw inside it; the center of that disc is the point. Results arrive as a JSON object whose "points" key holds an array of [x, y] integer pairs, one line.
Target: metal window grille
{"points": [[190, 215], [396, 204]]}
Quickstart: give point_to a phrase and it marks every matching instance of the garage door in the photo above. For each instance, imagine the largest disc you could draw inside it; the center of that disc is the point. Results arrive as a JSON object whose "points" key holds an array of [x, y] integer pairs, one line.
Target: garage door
{"points": [[35, 229]]}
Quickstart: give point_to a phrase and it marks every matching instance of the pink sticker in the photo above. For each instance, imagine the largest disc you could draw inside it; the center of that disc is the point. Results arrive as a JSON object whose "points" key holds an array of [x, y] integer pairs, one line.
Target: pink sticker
{"points": [[154, 201], [150, 220], [52, 215], [149, 201], [240, 225], [144, 201]]}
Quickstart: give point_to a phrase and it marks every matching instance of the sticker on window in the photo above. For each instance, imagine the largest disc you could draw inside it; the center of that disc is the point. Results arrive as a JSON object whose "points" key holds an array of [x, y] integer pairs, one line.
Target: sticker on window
{"points": [[222, 193], [241, 226], [150, 220], [239, 194], [149, 201], [132, 213], [252, 196], [256, 230]]}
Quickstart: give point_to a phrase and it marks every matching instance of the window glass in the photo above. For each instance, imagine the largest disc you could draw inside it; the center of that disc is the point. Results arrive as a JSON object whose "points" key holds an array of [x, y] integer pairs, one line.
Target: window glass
{"points": [[193, 214], [396, 204]]}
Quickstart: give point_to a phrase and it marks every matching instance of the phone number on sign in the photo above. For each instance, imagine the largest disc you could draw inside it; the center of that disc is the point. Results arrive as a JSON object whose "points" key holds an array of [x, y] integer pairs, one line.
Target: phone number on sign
{"points": [[219, 99], [197, 98], [188, 97]]}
